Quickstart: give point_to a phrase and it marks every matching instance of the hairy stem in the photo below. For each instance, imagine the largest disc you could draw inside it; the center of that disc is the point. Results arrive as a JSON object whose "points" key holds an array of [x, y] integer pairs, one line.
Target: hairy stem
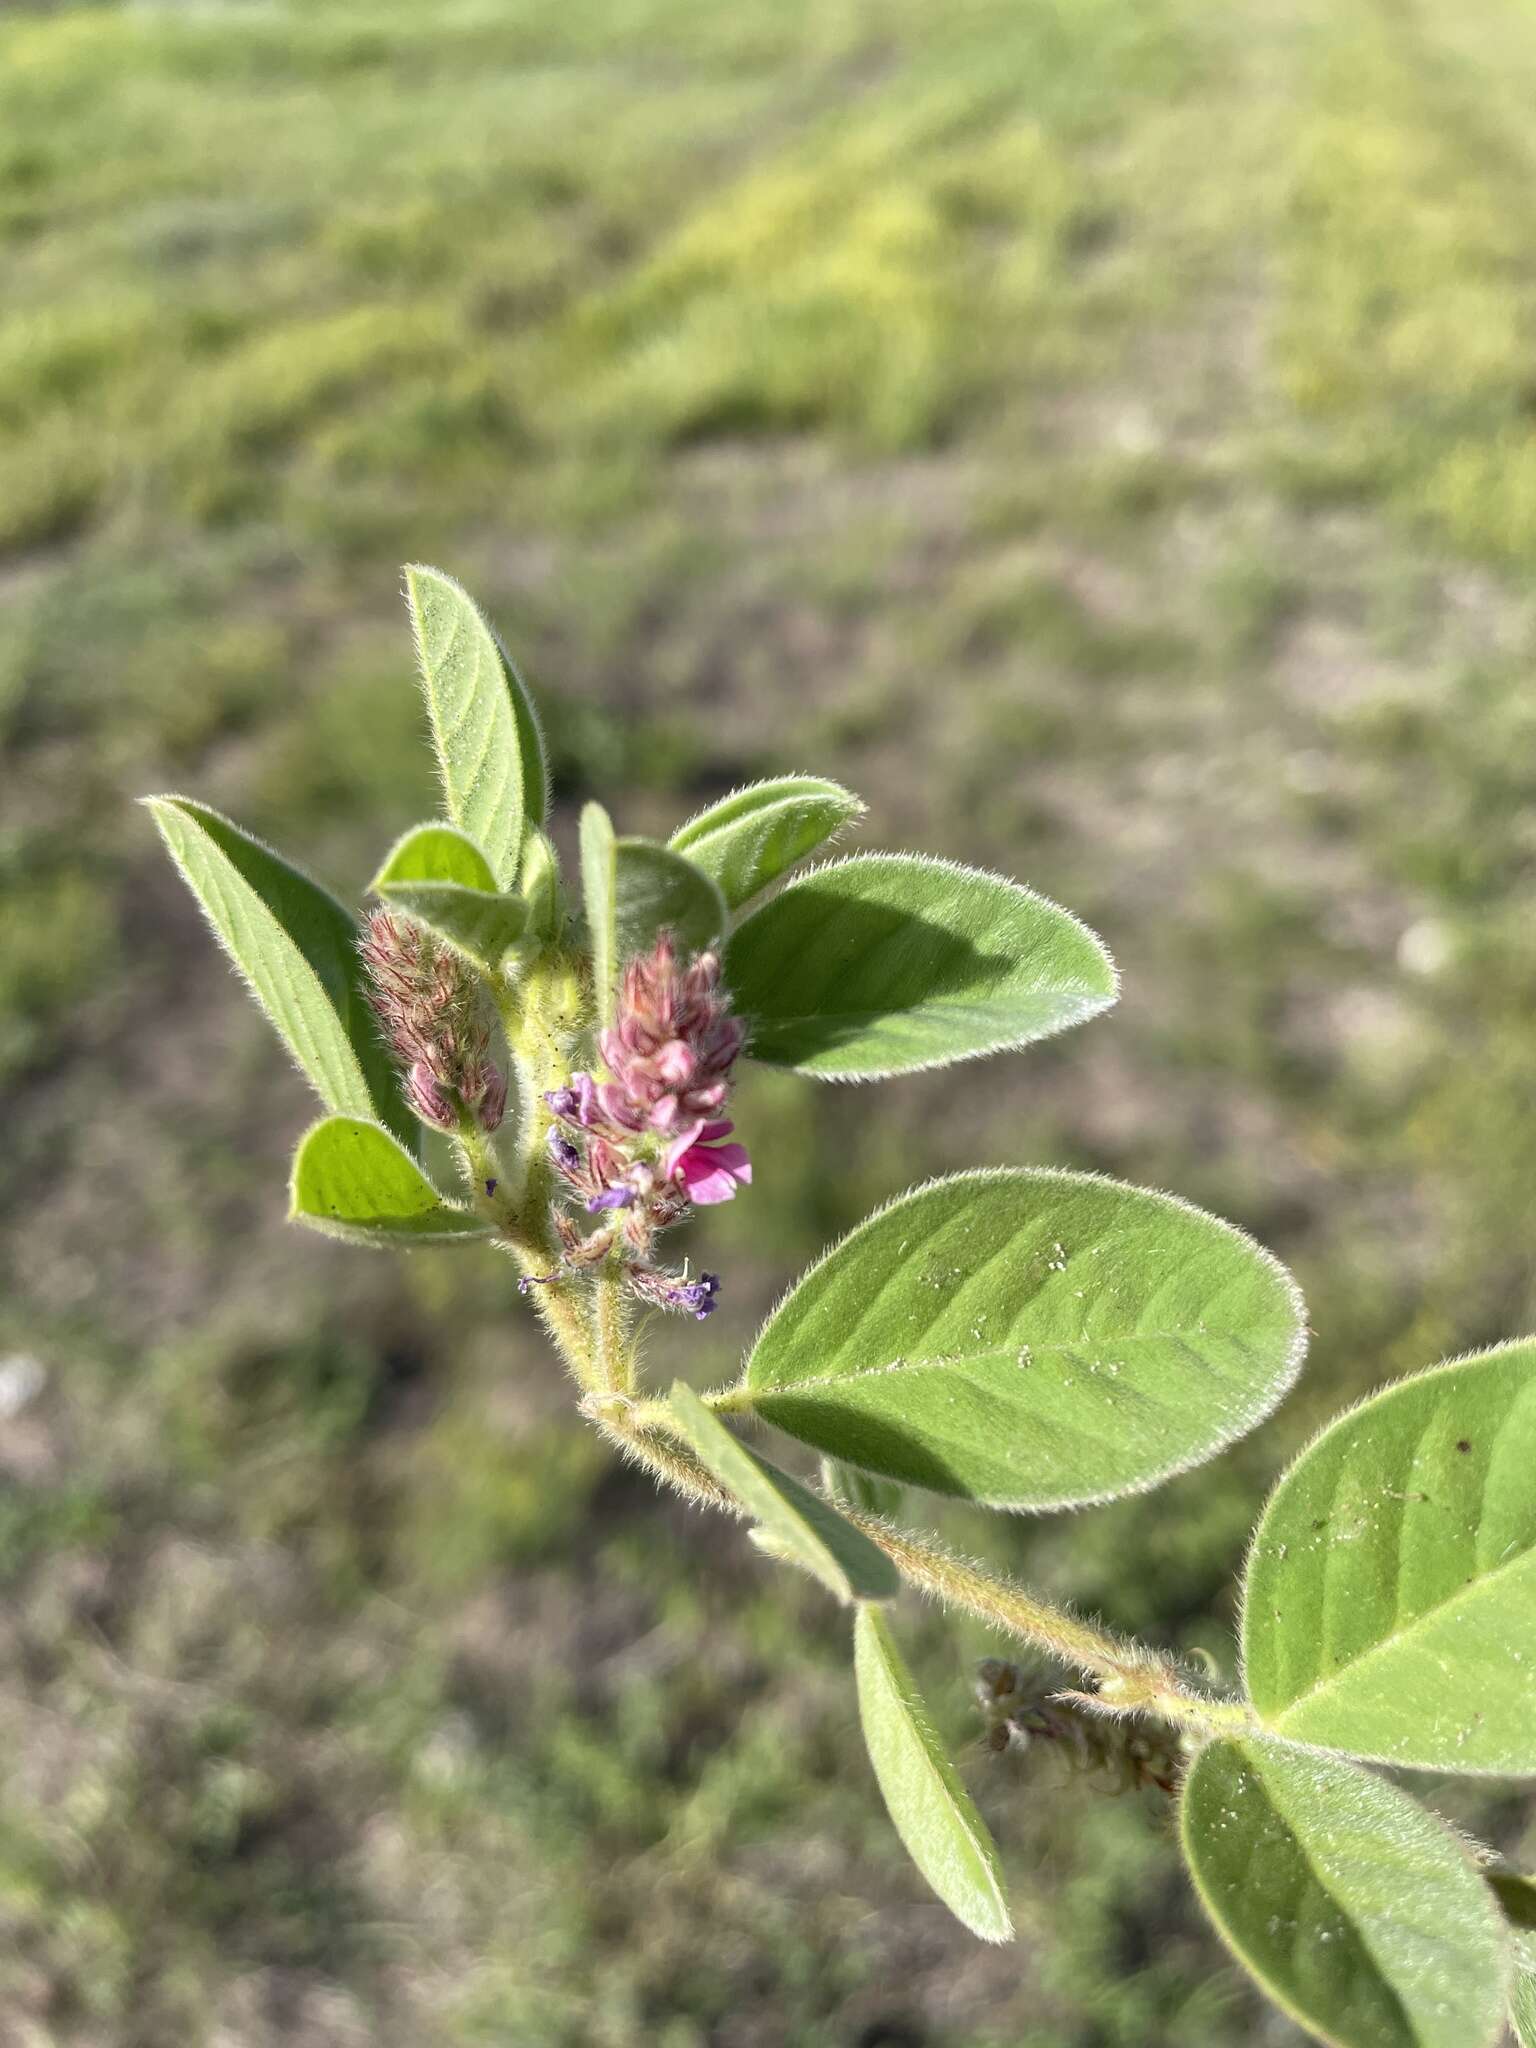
{"points": [[1131, 1678], [615, 1354]]}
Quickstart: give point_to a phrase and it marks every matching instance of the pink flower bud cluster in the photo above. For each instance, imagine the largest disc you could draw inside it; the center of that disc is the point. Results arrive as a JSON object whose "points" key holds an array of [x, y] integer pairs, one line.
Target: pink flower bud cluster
{"points": [[671, 1046], [647, 1142], [433, 1018]]}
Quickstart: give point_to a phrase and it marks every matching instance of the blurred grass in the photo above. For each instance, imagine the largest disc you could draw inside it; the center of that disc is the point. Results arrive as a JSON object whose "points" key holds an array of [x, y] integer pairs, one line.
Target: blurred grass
{"points": [[1101, 433]]}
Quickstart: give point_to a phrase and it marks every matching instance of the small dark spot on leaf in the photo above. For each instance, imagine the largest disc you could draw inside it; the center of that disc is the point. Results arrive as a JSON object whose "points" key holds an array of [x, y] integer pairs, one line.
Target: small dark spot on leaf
{"points": [[1464, 1443], [1321, 1522]]}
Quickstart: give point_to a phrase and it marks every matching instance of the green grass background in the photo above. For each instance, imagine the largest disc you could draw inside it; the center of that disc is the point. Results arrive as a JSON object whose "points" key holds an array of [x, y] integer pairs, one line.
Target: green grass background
{"points": [[1103, 432]]}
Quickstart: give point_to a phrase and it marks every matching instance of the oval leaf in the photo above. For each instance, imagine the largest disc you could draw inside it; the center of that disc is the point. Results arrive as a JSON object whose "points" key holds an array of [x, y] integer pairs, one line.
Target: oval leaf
{"points": [[436, 853], [886, 963], [351, 1179], [486, 732], [933, 1813], [1390, 1605], [803, 1527], [1353, 1909], [754, 835], [296, 948], [1029, 1339]]}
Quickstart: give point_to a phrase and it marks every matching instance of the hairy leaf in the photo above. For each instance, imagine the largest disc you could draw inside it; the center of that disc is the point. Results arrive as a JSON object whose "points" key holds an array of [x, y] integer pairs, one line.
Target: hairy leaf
{"points": [[1390, 1605], [351, 1179], [490, 750], [296, 948], [633, 888], [598, 860], [655, 888], [1516, 1896], [1029, 1339], [436, 853], [933, 1813], [481, 927], [885, 963], [1354, 1910], [444, 881], [1522, 1997], [753, 836], [804, 1528], [539, 882]]}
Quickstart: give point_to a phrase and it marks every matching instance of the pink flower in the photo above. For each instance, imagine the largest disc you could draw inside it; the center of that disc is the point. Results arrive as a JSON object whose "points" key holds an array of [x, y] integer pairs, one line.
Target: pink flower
{"points": [[710, 1171]]}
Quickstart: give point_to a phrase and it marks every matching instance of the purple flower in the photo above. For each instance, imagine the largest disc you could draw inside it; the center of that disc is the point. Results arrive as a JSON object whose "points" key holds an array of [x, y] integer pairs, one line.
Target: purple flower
{"points": [[699, 1295], [670, 1290], [576, 1104], [563, 1152]]}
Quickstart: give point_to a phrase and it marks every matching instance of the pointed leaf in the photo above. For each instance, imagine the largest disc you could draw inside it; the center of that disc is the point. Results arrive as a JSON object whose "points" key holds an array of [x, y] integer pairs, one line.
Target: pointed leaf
{"points": [[1029, 1339], [296, 948], [933, 1813], [351, 1179], [1355, 1911], [804, 1528], [886, 963], [1390, 1607], [490, 749], [754, 835]]}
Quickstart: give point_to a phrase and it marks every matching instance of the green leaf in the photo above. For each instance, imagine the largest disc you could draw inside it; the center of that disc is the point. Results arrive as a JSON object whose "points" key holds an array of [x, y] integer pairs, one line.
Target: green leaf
{"points": [[444, 881], [296, 948], [886, 963], [1355, 1911], [753, 836], [351, 1179], [539, 882], [598, 859], [655, 888], [1029, 1339], [483, 928], [436, 853], [851, 1488], [803, 1527], [490, 749], [1390, 1604], [1516, 1897], [942, 1832], [632, 888], [1522, 1997]]}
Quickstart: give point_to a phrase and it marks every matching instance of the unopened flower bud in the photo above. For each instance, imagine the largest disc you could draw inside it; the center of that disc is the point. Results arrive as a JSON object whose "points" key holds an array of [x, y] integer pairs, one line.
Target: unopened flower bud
{"points": [[493, 1102], [429, 1098]]}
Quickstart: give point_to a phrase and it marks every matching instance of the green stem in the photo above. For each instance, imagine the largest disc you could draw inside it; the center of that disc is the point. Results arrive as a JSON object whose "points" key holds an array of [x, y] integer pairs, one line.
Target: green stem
{"points": [[1131, 1678], [615, 1353]]}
